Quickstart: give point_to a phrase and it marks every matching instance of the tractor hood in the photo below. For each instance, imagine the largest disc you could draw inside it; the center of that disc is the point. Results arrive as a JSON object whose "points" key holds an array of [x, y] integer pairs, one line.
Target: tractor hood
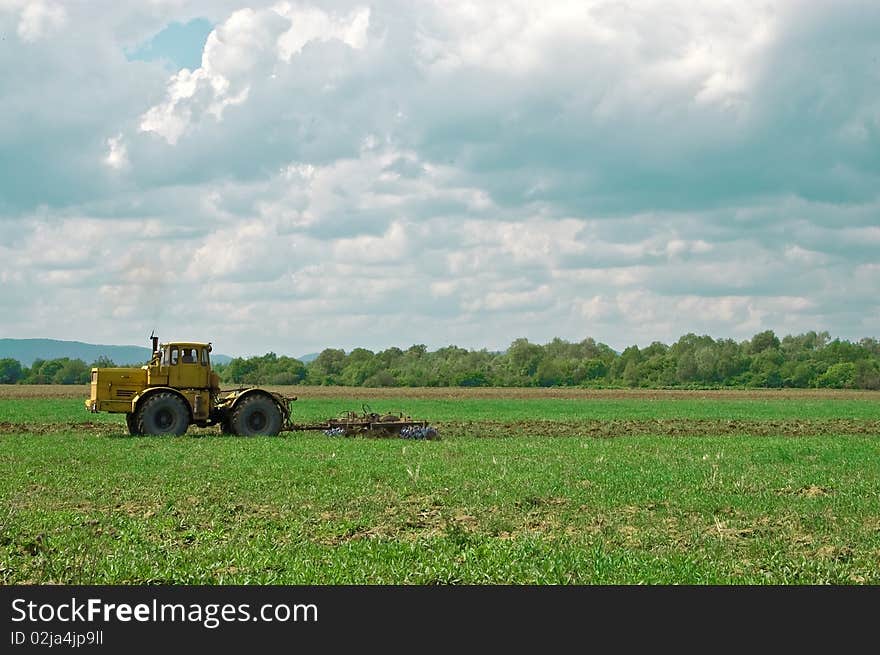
{"points": [[112, 386]]}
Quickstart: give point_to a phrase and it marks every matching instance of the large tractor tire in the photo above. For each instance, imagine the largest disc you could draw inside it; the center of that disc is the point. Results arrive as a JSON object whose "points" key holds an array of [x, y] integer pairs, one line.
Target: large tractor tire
{"points": [[163, 414], [226, 425], [256, 414], [131, 421]]}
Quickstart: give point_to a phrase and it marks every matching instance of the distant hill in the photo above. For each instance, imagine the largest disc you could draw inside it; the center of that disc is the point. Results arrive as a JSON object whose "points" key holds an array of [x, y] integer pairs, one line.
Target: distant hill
{"points": [[305, 359], [27, 350]]}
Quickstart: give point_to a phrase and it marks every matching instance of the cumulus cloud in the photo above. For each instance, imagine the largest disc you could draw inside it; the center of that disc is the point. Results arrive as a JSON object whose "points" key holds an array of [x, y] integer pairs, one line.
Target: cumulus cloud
{"points": [[337, 174], [117, 155], [248, 44], [40, 20]]}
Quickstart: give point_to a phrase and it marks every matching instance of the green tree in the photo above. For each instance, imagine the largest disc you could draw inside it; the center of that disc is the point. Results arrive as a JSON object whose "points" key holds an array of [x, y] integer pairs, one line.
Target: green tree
{"points": [[867, 375], [763, 341], [799, 375], [549, 373], [359, 365], [589, 349], [838, 376], [765, 369], [629, 355], [327, 367], [10, 371], [32, 375], [706, 359], [285, 370], [870, 346], [842, 351], [732, 362], [473, 379], [589, 370], [654, 350], [381, 379], [796, 345], [631, 373], [765, 360], [49, 368], [416, 351], [686, 367], [524, 357], [658, 371], [238, 369], [71, 371]]}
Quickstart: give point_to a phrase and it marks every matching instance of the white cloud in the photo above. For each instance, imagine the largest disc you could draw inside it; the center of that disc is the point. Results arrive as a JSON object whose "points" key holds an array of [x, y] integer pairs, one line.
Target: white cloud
{"points": [[441, 172], [677, 247], [390, 247], [308, 24], [509, 301], [249, 44], [202, 91], [596, 308], [117, 155], [40, 20], [711, 50]]}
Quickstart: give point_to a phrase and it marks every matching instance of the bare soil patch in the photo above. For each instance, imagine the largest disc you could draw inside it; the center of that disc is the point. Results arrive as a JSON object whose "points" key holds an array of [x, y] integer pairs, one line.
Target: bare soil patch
{"points": [[51, 428], [659, 427], [597, 429]]}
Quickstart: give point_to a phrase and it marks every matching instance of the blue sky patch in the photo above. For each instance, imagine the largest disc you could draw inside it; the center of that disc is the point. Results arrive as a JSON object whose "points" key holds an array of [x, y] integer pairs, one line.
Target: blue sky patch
{"points": [[179, 44]]}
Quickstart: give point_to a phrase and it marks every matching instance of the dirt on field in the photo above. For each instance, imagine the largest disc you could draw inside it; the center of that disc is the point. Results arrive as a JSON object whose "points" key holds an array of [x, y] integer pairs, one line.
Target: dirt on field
{"points": [[596, 429], [16, 391], [659, 427], [13, 391], [89, 427], [51, 428]]}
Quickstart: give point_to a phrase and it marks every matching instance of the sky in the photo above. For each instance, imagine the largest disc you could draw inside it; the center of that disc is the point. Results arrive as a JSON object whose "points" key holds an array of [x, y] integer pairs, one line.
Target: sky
{"points": [[293, 176]]}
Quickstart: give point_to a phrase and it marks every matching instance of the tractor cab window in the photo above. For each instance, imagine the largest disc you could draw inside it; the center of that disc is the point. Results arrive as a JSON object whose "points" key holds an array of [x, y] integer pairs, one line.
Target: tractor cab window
{"points": [[174, 356], [204, 356], [189, 356]]}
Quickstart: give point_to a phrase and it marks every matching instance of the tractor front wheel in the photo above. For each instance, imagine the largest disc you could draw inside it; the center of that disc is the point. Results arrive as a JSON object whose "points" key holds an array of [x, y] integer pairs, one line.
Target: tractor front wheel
{"points": [[163, 414], [256, 414]]}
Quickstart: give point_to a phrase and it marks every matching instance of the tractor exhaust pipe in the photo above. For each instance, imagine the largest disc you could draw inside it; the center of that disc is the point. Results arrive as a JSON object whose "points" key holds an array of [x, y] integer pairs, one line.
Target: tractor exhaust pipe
{"points": [[155, 341]]}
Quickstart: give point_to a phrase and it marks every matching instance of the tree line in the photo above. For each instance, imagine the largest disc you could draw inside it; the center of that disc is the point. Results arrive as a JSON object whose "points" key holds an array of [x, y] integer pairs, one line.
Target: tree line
{"points": [[802, 361], [62, 370]]}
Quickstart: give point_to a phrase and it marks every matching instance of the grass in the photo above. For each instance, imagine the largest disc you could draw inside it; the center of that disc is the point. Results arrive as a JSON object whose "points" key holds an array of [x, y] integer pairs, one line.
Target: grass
{"points": [[725, 406], [81, 505]]}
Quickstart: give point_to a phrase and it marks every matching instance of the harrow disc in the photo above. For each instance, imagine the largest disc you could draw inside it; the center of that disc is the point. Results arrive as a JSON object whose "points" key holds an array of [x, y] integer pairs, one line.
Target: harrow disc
{"points": [[406, 432], [419, 432], [372, 424]]}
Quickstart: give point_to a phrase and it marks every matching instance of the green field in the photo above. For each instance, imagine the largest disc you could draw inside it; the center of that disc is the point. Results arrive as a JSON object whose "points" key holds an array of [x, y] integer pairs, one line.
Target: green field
{"points": [[705, 488]]}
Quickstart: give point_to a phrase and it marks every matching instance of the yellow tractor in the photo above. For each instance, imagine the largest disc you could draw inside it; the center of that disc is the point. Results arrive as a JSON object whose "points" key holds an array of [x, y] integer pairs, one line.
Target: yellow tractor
{"points": [[177, 388]]}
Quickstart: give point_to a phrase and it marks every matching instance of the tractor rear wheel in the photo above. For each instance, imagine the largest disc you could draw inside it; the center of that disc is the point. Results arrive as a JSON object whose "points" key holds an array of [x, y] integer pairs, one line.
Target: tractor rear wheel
{"points": [[226, 426], [132, 423], [164, 414], [256, 414]]}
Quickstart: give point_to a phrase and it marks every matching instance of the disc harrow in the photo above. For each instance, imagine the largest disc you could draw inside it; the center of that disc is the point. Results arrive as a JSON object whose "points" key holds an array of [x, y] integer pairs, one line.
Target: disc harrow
{"points": [[373, 424]]}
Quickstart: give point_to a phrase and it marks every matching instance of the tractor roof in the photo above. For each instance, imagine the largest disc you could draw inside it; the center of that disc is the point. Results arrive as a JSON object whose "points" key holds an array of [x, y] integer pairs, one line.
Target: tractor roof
{"points": [[190, 344]]}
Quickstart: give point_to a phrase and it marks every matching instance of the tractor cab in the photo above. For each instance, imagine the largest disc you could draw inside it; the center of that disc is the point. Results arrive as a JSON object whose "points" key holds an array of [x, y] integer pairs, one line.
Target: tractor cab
{"points": [[182, 365]]}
